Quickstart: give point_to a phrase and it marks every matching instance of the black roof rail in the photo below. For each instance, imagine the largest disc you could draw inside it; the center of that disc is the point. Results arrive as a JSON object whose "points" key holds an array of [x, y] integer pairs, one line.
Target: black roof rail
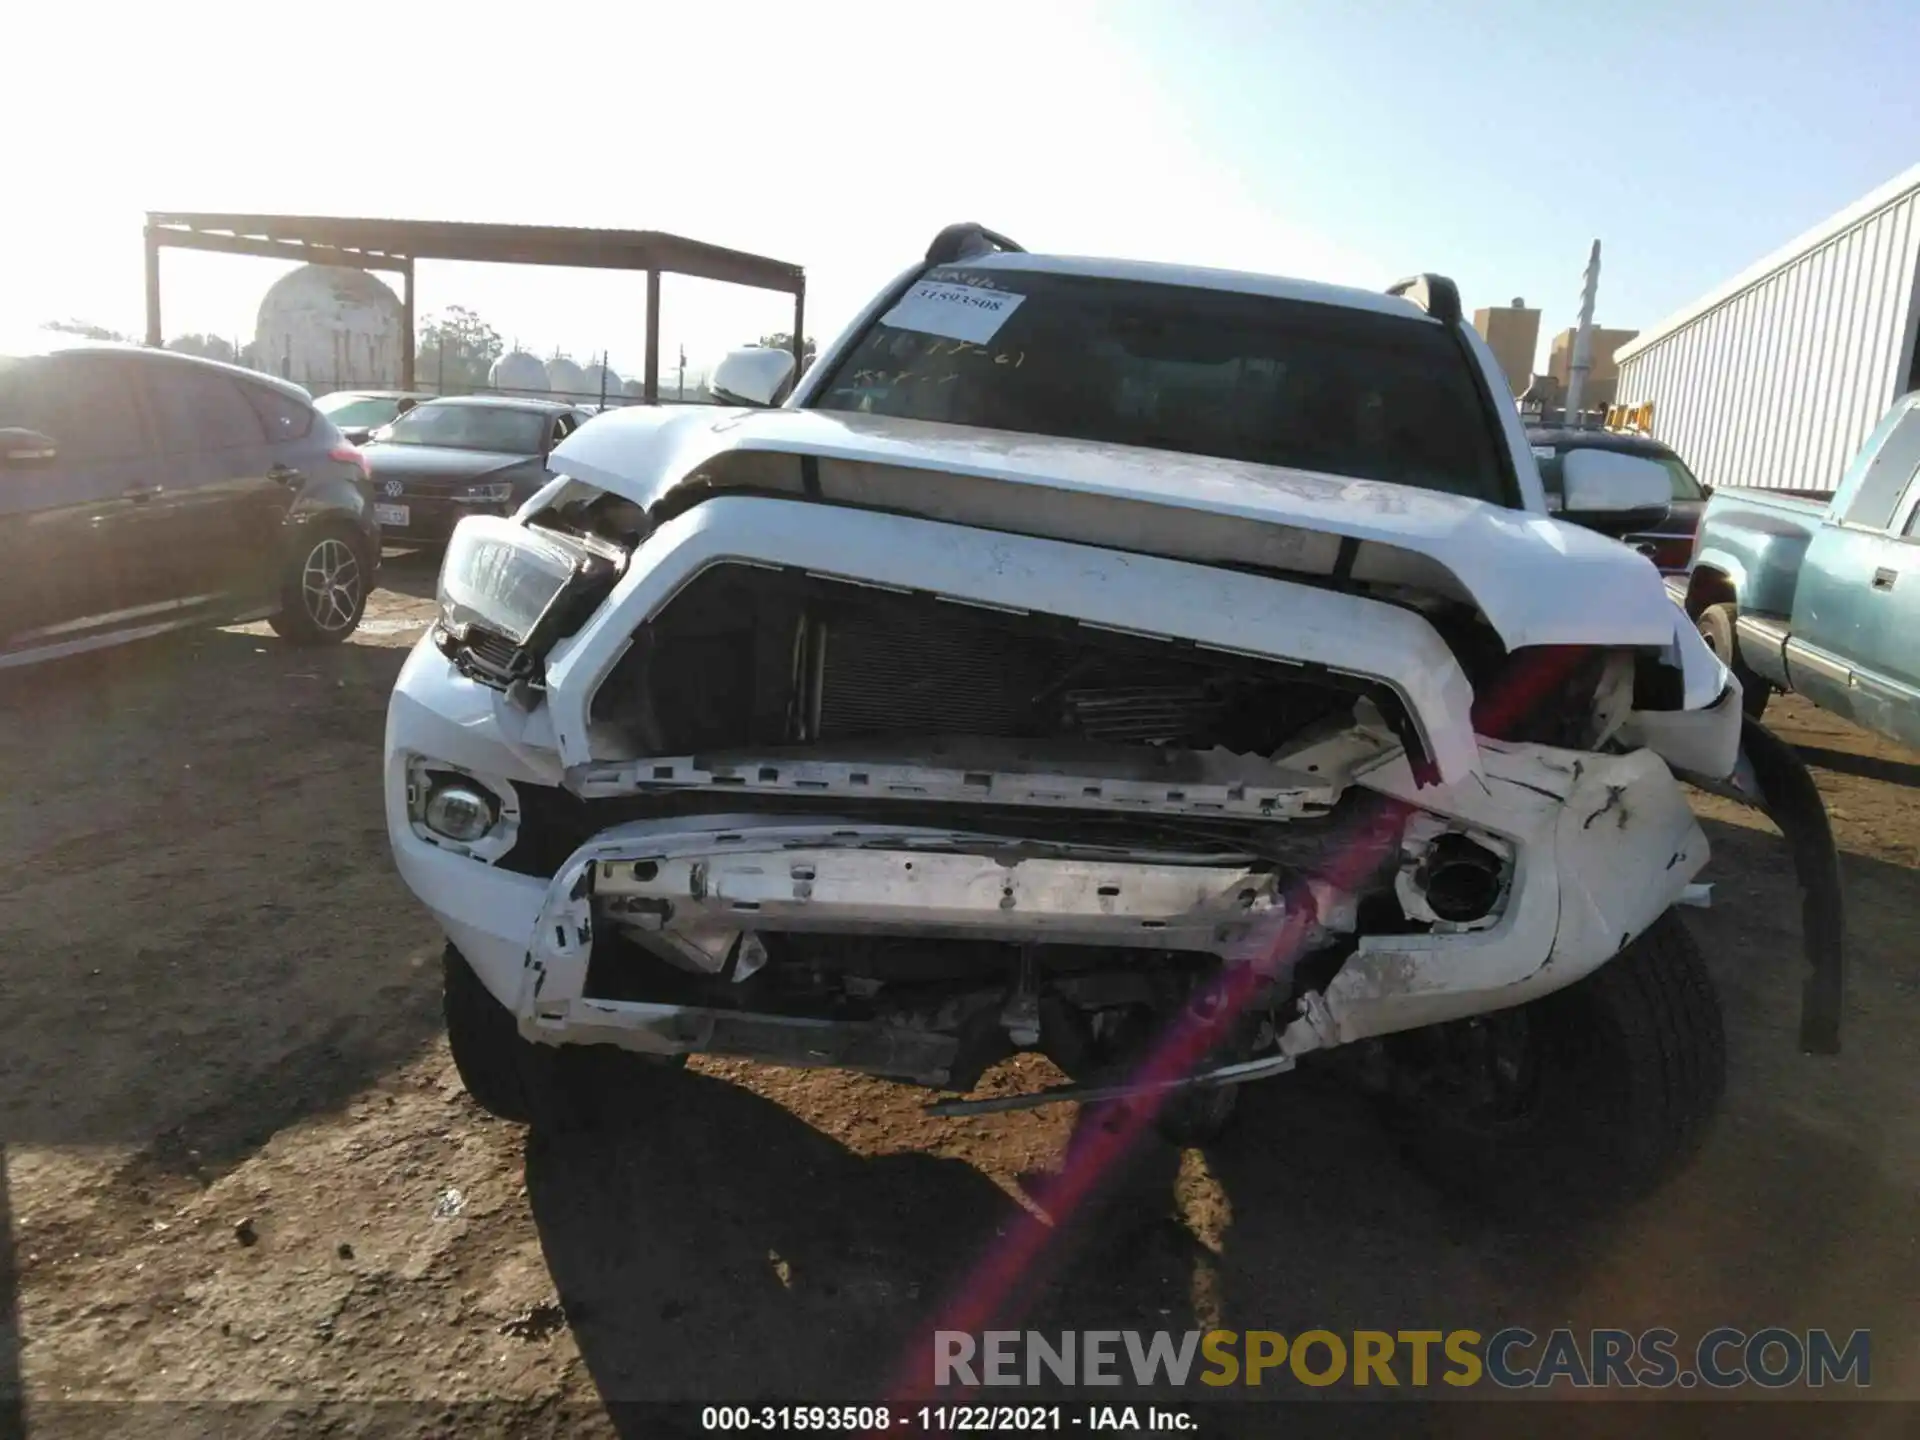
{"points": [[965, 241], [1435, 294]]}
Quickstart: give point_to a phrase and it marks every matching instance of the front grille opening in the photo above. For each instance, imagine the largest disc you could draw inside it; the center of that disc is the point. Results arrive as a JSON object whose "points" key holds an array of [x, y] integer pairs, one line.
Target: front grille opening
{"points": [[747, 657]]}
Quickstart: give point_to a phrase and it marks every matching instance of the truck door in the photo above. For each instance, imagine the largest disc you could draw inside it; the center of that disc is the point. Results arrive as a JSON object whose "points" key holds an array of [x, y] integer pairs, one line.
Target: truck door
{"points": [[1843, 604], [1887, 669]]}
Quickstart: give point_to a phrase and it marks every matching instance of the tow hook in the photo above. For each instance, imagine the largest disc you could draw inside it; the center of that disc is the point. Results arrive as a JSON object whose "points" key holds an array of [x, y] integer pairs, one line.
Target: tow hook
{"points": [[1772, 778]]}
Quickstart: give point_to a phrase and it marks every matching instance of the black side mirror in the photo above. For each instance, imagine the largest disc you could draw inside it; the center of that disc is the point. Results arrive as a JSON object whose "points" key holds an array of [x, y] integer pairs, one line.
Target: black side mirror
{"points": [[23, 449]]}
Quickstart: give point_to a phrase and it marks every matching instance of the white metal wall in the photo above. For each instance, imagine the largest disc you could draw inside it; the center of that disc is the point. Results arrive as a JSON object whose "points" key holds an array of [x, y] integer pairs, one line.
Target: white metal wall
{"points": [[1775, 380]]}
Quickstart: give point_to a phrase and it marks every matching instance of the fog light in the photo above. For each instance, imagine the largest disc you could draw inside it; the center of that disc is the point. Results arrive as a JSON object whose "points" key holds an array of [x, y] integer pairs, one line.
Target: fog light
{"points": [[1463, 880], [459, 812]]}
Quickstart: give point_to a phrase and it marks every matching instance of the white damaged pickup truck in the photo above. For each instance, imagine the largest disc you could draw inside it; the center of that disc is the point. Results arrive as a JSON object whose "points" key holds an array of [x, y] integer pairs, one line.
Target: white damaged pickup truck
{"points": [[1171, 671]]}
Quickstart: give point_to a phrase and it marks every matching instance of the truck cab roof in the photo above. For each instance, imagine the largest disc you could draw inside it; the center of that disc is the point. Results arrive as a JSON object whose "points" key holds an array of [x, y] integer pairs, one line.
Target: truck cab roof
{"points": [[1240, 282]]}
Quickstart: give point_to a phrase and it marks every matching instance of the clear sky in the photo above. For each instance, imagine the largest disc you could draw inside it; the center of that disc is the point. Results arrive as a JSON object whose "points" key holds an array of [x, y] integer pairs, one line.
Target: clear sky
{"points": [[1323, 138]]}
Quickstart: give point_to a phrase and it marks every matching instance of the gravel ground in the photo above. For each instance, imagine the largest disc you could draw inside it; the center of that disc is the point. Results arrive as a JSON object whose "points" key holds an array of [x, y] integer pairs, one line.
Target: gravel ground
{"points": [[239, 1165]]}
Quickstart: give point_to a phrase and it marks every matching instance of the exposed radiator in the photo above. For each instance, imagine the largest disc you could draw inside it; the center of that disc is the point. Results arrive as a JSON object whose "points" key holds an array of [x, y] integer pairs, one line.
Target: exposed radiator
{"points": [[751, 657], [955, 671]]}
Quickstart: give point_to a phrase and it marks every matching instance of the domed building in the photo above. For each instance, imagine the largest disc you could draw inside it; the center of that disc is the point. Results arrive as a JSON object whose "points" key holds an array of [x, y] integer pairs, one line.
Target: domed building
{"points": [[518, 373], [566, 380], [600, 380], [325, 326]]}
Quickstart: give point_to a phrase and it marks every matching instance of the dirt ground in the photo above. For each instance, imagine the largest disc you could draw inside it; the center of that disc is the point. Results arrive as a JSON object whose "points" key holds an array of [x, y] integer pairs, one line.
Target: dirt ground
{"points": [[239, 1166]]}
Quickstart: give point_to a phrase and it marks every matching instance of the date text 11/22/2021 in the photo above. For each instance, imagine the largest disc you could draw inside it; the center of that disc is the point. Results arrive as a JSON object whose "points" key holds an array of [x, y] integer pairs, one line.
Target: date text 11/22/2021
{"points": [[946, 1419]]}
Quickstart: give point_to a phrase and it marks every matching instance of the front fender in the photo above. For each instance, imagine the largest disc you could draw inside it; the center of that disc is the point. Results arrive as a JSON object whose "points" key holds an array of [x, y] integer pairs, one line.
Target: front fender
{"points": [[1702, 736], [1723, 565], [1760, 555]]}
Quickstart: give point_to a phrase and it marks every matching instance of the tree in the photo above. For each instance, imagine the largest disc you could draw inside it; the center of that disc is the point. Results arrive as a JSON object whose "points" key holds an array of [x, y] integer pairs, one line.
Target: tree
{"points": [[208, 347], [456, 350], [783, 340]]}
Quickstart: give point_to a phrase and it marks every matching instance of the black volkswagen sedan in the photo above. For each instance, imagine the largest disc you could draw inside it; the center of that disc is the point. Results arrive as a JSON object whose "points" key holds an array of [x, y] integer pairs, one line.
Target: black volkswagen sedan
{"points": [[143, 491], [466, 455]]}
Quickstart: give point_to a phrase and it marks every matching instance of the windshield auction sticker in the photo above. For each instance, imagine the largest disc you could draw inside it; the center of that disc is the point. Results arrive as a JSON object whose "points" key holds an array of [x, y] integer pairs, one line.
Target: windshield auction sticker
{"points": [[953, 312]]}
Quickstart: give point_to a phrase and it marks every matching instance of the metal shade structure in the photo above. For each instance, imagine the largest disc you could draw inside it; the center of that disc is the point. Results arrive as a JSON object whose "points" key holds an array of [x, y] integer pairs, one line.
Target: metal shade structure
{"points": [[394, 245]]}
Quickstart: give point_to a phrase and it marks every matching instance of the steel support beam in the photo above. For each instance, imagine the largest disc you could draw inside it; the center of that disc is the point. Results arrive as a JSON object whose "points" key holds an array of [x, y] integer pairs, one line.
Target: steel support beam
{"points": [[799, 328], [153, 288], [653, 338], [406, 326]]}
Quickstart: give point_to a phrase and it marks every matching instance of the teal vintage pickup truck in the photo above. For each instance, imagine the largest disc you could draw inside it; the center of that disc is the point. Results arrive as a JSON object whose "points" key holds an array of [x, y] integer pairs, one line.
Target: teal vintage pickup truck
{"points": [[1822, 598]]}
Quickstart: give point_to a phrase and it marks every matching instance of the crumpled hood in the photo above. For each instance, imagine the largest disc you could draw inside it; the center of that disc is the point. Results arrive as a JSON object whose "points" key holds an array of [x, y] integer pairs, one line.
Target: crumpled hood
{"points": [[1536, 579]]}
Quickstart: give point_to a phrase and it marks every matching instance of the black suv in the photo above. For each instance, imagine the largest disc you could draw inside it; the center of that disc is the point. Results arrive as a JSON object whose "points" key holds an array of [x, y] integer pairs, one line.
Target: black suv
{"points": [[144, 491]]}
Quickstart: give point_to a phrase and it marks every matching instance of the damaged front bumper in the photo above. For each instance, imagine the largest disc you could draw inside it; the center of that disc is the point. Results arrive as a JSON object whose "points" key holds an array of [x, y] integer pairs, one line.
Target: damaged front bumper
{"points": [[1596, 847]]}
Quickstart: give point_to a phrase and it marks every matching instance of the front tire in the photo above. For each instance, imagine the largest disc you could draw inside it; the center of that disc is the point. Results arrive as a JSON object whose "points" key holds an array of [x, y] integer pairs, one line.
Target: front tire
{"points": [[324, 590], [1716, 625], [1583, 1098], [1197, 1118], [552, 1088]]}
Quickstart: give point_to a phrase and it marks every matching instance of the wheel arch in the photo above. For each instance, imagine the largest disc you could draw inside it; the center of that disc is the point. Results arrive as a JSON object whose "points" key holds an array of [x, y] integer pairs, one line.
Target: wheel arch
{"points": [[1709, 585]]}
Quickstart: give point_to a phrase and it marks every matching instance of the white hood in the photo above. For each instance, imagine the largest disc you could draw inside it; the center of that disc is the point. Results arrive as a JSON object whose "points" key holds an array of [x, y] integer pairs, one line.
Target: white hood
{"points": [[1537, 580]]}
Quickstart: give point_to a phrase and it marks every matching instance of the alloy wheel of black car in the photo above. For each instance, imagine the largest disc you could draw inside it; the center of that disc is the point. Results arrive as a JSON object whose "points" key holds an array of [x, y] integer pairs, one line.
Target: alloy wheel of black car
{"points": [[330, 585], [324, 597]]}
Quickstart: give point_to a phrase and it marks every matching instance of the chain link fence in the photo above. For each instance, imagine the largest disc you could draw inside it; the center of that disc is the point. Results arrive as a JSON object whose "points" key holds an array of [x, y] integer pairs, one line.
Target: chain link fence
{"points": [[426, 383]]}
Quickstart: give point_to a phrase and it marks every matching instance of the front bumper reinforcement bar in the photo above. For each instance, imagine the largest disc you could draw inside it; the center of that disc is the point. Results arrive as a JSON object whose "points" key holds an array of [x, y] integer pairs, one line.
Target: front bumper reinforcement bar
{"points": [[1238, 1073]]}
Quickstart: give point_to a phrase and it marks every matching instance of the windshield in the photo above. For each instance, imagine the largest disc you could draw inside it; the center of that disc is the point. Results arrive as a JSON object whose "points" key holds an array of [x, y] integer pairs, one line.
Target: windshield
{"points": [[471, 427], [1205, 372], [1680, 480], [357, 409]]}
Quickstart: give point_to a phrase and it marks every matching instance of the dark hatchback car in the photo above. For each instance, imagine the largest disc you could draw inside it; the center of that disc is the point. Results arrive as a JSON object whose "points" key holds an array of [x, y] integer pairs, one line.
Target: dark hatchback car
{"points": [[358, 413], [1670, 543], [143, 491], [467, 455]]}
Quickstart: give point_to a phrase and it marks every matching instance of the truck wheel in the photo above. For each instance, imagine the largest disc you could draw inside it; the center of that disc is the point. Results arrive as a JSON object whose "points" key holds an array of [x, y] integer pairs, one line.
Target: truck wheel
{"points": [[549, 1087], [1582, 1098], [1717, 629], [1197, 1117]]}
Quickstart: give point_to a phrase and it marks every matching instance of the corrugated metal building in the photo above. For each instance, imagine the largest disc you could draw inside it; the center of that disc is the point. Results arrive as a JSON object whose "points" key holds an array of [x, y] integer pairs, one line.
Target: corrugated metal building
{"points": [[1775, 379]]}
